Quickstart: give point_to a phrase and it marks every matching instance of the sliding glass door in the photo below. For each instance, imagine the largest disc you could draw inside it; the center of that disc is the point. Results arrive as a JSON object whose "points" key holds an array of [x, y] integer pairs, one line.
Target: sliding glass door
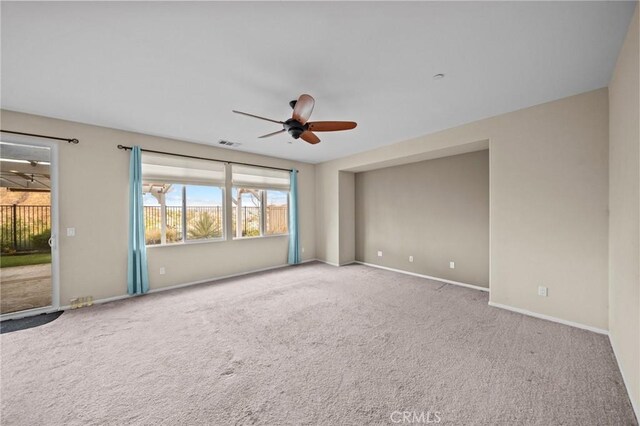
{"points": [[27, 279]]}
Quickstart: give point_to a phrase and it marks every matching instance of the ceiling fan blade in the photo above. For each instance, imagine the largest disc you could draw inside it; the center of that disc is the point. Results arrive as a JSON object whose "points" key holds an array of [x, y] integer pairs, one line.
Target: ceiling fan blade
{"points": [[331, 126], [310, 137], [257, 116], [271, 134], [303, 109]]}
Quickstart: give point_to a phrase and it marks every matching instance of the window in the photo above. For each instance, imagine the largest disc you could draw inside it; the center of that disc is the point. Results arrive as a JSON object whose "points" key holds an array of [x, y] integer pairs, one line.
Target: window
{"points": [[247, 212], [260, 201], [277, 212], [204, 212], [162, 212], [183, 199]]}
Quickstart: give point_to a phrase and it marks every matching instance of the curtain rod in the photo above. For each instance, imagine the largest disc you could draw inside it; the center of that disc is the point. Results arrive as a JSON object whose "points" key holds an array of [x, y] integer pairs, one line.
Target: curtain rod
{"points": [[127, 148], [35, 135]]}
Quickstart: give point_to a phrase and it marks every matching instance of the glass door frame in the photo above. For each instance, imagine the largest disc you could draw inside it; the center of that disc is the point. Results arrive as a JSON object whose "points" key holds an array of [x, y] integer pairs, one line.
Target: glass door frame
{"points": [[54, 243]]}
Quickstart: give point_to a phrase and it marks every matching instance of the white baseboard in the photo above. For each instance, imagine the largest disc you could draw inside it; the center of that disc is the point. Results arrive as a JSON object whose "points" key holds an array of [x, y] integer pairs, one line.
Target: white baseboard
{"points": [[327, 262], [549, 318], [105, 300], [29, 313], [174, 287], [429, 277], [634, 403]]}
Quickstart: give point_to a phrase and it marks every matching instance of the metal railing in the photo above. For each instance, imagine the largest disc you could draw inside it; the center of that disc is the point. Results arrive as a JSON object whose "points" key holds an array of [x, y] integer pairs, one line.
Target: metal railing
{"points": [[24, 227], [250, 226], [276, 221], [153, 220], [28, 227]]}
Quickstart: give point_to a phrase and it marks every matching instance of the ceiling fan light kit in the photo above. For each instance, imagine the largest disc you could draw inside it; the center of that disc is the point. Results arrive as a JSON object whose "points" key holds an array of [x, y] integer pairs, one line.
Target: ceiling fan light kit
{"points": [[299, 126]]}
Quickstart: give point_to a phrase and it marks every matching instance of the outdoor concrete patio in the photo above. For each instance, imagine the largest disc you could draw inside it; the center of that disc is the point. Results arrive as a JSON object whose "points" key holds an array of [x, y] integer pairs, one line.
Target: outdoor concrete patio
{"points": [[25, 287]]}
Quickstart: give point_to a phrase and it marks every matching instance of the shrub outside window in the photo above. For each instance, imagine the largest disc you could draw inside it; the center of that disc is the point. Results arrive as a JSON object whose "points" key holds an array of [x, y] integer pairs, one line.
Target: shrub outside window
{"points": [[183, 199], [169, 209], [204, 212]]}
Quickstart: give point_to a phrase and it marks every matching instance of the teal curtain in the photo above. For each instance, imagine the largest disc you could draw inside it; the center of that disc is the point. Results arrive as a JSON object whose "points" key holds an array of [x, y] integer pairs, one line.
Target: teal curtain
{"points": [[137, 274], [294, 238]]}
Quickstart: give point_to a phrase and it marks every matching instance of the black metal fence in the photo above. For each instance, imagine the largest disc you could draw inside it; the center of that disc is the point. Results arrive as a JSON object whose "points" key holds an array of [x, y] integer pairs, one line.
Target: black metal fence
{"points": [[24, 227], [28, 228], [250, 221], [276, 220], [153, 220]]}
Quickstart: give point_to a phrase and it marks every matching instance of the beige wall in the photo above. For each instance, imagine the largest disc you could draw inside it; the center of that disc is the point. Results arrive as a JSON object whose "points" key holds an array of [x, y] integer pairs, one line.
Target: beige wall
{"points": [[327, 214], [94, 199], [347, 217], [549, 178], [624, 205], [549, 193], [436, 211], [548, 207]]}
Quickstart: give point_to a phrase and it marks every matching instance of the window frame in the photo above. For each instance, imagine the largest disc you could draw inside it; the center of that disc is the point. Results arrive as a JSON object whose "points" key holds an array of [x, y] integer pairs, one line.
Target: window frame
{"points": [[263, 214], [264, 203], [234, 231], [228, 231], [183, 207]]}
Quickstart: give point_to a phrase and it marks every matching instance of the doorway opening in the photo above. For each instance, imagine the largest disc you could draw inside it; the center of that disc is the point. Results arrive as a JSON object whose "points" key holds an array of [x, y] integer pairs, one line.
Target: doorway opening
{"points": [[27, 228]]}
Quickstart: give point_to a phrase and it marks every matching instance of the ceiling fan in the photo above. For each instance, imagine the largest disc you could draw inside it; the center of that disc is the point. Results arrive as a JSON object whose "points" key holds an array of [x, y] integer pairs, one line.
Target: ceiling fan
{"points": [[298, 125]]}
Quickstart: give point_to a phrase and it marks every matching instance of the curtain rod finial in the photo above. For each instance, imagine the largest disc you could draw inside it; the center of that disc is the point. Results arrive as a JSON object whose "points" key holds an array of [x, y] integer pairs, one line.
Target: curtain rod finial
{"points": [[74, 141]]}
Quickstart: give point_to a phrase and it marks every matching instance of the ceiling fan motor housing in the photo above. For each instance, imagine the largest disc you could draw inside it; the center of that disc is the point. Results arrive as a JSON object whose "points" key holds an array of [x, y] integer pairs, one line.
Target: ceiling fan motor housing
{"points": [[294, 128]]}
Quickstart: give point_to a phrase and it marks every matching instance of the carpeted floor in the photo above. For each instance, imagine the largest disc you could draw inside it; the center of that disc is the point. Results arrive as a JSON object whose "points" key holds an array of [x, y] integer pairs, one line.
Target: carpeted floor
{"points": [[312, 344]]}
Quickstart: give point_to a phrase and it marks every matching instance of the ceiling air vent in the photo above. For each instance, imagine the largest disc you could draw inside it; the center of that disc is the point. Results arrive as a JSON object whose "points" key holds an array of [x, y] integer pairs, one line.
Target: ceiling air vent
{"points": [[228, 143]]}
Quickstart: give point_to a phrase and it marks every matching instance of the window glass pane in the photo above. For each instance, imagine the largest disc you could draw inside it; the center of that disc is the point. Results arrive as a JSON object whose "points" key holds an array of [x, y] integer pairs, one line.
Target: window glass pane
{"points": [[204, 212], [152, 220], [246, 212], [277, 211], [174, 213]]}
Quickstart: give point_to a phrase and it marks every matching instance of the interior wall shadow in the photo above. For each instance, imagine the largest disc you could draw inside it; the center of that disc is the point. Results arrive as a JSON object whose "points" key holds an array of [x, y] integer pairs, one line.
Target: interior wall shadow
{"points": [[422, 216]]}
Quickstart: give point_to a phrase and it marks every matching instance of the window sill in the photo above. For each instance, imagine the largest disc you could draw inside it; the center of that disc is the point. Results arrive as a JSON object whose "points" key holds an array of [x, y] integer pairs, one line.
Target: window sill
{"points": [[188, 243], [213, 241], [259, 237]]}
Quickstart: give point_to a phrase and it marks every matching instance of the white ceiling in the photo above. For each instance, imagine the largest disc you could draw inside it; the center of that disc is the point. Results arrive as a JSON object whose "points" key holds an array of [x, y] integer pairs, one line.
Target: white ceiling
{"points": [[178, 69]]}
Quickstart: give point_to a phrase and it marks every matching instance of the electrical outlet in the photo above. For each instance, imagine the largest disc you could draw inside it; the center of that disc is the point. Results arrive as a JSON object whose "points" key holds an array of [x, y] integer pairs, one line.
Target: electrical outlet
{"points": [[303, 249], [162, 271], [542, 291], [410, 258], [379, 253], [452, 265], [71, 232]]}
